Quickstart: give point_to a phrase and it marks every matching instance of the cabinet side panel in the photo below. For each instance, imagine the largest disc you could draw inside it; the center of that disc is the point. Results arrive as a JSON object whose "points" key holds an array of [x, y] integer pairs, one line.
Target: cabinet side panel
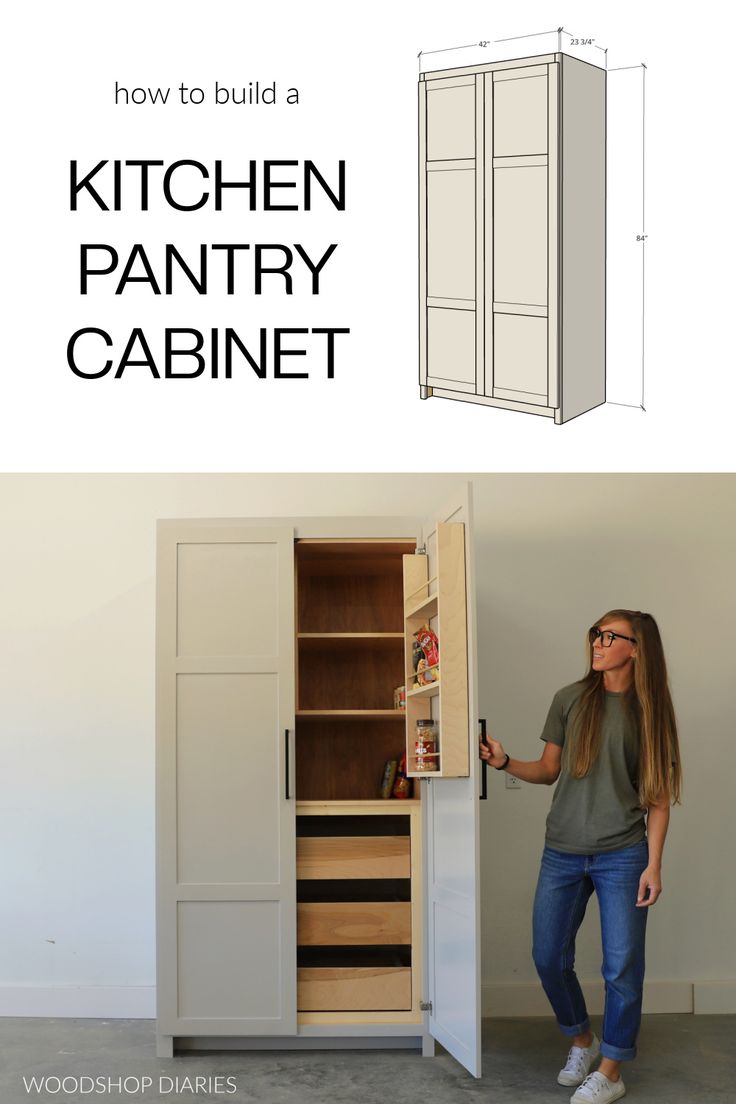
{"points": [[583, 237]]}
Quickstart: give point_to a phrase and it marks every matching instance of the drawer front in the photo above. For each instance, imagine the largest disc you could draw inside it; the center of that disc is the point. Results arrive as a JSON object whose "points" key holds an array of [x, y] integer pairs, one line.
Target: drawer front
{"points": [[353, 857], [354, 989], [353, 923]]}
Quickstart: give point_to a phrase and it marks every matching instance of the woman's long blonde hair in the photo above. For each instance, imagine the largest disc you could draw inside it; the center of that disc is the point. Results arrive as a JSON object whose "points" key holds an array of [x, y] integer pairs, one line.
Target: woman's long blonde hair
{"points": [[649, 700]]}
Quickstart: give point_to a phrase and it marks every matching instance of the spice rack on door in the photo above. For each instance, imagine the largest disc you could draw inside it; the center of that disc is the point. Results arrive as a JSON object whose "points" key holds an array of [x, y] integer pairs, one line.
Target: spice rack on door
{"points": [[439, 601]]}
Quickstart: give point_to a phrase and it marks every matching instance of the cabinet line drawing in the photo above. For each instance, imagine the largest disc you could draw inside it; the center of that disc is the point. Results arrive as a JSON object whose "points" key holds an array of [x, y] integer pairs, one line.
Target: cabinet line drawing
{"points": [[295, 907], [512, 235]]}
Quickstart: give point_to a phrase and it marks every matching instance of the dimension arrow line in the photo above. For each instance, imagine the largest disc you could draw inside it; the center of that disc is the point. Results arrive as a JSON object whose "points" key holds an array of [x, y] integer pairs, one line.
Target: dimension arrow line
{"points": [[643, 220], [449, 49], [537, 34]]}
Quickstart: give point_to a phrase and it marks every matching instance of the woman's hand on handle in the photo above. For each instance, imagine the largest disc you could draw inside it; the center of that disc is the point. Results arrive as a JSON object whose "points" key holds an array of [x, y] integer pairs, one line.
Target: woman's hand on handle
{"points": [[492, 752]]}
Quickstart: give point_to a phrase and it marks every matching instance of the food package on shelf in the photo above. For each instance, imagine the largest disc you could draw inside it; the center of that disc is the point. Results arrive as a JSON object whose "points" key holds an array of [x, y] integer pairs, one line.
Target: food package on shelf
{"points": [[425, 656]]}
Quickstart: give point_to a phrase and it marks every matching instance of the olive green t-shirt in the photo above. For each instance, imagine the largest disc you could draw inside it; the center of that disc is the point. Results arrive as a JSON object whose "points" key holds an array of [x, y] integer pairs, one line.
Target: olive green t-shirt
{"points": [[599, 812]]}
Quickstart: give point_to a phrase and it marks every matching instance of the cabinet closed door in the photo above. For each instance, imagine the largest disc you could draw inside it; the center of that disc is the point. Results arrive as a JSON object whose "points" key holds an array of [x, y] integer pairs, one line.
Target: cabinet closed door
{"points": [[227, 908]]}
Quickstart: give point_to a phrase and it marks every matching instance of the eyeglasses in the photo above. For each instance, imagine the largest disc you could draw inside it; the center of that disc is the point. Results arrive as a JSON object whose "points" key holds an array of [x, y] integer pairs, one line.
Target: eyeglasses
{"points": [[607, 637]]}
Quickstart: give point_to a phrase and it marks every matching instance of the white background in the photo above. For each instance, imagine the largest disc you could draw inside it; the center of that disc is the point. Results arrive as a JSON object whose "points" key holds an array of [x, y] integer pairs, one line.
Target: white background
{"points": [[356, 69]]}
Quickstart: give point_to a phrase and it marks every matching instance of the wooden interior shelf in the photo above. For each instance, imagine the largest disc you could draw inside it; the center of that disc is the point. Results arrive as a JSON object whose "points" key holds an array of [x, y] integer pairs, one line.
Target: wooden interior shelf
{"points": [[431, 690], [423, 607], [351, 714], [348, 640]]}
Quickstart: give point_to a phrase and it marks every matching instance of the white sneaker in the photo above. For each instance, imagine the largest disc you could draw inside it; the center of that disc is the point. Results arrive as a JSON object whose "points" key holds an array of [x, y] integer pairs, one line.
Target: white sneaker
{"points": [[597, 1089], [578, 1064]]}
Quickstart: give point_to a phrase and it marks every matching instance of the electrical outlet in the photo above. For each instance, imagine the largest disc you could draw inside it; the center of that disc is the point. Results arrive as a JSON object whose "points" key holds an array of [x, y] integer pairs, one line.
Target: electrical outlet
{"points": [[512, 783]]}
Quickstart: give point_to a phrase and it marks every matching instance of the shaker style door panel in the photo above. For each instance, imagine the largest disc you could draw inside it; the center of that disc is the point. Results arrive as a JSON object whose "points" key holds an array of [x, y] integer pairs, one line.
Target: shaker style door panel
{"points": [[226, 822], [520, 235], [228, 778], [520, 111], [521, 358], [451, 347], [451, 239], [451, 120]]}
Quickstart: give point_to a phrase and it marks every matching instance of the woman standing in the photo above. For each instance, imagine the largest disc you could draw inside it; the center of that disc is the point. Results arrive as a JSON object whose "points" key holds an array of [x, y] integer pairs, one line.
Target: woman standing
{"points": [[611, 739]]}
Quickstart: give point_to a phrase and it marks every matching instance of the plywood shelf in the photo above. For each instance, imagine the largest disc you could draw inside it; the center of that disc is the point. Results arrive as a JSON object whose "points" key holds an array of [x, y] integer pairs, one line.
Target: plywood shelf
{"points": [[366, 807], [431, 690], [350, 640], [424, 607], [350, 714]]}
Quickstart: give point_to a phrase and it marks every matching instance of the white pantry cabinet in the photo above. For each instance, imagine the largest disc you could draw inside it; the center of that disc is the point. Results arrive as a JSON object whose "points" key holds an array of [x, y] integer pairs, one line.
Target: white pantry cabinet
{"points": [[295, 906], [512, 235]]}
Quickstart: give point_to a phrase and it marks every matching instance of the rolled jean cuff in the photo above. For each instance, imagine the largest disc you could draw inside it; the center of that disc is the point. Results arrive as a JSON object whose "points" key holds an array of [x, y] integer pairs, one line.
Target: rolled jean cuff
{"points": [[617, 1054], [576, 1029]]}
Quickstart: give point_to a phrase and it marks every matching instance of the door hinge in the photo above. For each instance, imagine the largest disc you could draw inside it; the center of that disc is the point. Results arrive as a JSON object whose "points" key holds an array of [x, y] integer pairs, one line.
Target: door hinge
{"points": [[420, 550], [425, 1006]]}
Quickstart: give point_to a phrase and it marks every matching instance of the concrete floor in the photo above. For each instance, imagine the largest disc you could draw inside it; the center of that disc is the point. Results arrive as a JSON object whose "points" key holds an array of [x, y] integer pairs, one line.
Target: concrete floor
{"points": [[682, 1060]]}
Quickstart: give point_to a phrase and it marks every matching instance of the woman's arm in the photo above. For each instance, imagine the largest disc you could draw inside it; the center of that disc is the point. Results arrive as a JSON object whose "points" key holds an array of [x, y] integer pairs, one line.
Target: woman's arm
{"points": [[544, 770], [658, 818]]}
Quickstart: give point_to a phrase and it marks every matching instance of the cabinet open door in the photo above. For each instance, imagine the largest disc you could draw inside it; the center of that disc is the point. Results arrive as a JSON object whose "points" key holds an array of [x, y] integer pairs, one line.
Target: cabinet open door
{"points": [[226, 954], [452, 871]]}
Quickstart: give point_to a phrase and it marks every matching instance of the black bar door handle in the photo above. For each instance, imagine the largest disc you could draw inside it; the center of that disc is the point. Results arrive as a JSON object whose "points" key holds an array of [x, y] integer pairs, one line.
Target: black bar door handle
{"points": [[484, 770], [286, 751]]}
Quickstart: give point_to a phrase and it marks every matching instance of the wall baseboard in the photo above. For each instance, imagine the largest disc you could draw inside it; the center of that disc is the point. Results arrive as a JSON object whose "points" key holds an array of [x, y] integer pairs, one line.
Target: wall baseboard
{"points": [[499, 1000], [527, 998], [714, 998], [105, 1002]]}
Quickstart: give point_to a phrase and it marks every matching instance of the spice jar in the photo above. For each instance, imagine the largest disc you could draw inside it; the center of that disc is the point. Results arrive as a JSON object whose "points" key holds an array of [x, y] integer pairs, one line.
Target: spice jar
{"points": [[426, 753]]}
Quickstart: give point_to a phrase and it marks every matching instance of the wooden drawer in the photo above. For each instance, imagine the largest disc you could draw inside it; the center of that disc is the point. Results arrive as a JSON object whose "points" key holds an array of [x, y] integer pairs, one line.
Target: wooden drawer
{"points": [[353, 857], [333, 923], [354, 989]]}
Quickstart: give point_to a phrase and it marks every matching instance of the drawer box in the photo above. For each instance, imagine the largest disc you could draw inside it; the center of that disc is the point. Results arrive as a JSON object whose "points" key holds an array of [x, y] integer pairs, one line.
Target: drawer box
{"points": [[354, 989], [353, 857], [366, 923]]}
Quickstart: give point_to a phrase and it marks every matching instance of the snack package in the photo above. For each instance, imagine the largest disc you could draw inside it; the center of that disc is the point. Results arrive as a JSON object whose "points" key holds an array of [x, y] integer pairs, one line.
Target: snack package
{"points": [[425, 656], [389, 777], [403, 785]]}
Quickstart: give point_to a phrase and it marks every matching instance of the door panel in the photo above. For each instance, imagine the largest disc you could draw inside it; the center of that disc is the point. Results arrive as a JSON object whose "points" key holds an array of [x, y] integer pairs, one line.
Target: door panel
{"points": [[520, 111], [229, 960], [451, 119], [227, 760], [521, 357], [226, 826], [452, 856], [451, 346], [520, 235], [451, 234]]}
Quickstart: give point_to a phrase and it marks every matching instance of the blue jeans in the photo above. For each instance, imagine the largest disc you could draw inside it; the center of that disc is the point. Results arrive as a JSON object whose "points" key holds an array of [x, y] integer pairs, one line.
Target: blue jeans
{"points": [[564, 888]]}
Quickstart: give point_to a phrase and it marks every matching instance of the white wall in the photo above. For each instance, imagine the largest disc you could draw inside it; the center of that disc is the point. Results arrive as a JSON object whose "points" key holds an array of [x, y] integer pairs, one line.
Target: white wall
{"points": [[553, 552]]}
